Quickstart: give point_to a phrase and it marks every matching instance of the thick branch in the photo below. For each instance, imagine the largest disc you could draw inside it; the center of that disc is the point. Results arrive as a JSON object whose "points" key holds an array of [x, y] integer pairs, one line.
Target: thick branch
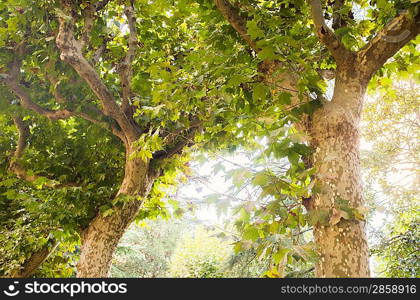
{"points": [[231, 14], [186, 139], [397, 33], [72, 54], [27, 103], [34, 262], [326, 35]]}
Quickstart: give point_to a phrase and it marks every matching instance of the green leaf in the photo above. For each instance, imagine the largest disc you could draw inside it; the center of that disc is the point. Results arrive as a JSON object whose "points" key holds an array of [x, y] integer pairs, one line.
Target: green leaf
{"points": [[261, 179], [280, 255], [251, 233], [285, 98], [267, 53], [259, 92], [253, 30]]}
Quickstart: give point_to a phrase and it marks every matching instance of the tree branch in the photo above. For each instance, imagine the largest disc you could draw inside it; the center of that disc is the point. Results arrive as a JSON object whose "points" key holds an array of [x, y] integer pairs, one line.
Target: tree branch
{"points": [[12, 81], [231, 14], [326, 35], [34, 262], [387, 42], [71, 53], [89, 14], [125, 68], [99, 5], [338, 20], [99, 52], [185, 140], [92, 109], [15, 167]]}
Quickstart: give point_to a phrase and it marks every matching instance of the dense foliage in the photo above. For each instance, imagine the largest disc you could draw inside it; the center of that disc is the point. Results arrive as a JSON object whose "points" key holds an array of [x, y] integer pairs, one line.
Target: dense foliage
{"points": [[164, 79], [145, 251]]}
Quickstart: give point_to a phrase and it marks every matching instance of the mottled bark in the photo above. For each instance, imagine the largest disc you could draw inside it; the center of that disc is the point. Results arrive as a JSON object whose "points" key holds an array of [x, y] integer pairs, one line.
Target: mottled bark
{"points": [[101, 237], [335, 137]]}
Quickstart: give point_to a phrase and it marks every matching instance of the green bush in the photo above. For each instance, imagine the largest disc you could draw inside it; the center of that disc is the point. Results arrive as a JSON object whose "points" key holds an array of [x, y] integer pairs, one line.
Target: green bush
{"points": [[201, 255]]}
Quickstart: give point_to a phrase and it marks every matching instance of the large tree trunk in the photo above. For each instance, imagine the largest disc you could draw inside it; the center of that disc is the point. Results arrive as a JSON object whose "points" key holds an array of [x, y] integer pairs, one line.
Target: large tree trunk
{"points": [[335, 136], [101, 237], [334, 133]]}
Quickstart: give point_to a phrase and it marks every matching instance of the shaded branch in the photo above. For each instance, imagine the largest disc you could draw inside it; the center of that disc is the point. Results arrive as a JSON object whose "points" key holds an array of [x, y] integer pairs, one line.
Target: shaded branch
{"points": [[30, 266], [338, 20], [231, 14], [28, 104], [103, 124], [12, 81], [23, 130], [89, 15], [15, 167], [88, 12], [99, 52], [325, 34], [186, 140], [99, 5], [387, 42]]}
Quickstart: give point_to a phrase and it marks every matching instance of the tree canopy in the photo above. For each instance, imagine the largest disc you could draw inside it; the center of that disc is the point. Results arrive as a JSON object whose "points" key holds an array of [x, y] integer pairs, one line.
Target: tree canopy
{"points": [[103, 102]]}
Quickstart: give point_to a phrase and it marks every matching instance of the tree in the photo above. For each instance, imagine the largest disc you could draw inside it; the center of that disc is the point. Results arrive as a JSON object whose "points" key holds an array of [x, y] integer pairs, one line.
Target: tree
{"points": [[333, 129], [133, 76], [163, 76], [40, 217], [71, 61]]}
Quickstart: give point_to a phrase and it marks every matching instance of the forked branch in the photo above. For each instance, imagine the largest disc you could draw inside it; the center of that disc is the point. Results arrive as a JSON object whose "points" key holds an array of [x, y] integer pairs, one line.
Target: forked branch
{"points": [[326, 35], [71, 53]]}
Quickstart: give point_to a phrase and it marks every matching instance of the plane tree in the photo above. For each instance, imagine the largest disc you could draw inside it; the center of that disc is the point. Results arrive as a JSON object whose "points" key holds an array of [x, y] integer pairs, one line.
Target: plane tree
{"points": [[301, 45]]}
